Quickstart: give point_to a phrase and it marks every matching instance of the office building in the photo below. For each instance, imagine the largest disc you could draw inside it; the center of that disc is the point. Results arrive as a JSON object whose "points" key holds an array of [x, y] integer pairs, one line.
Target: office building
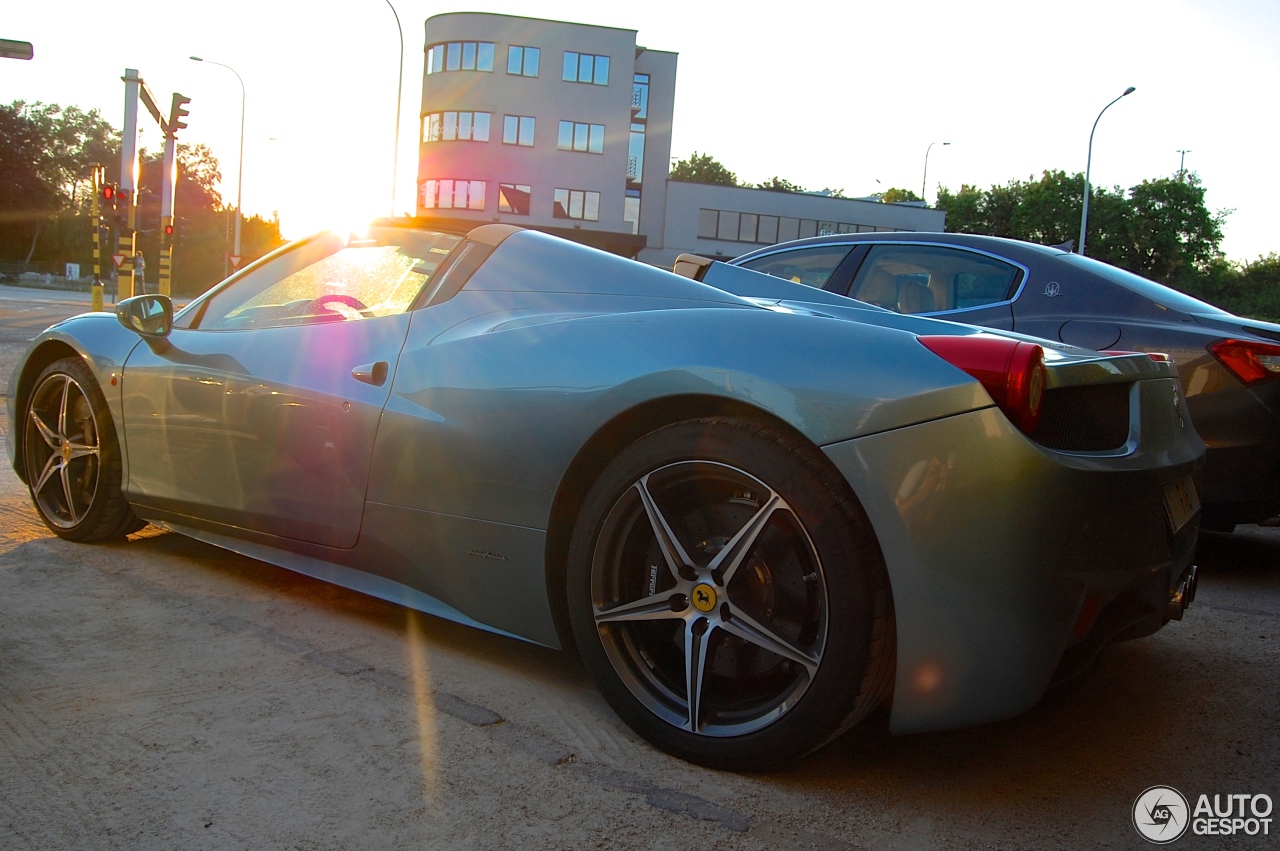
{"points": [[566, 128]]}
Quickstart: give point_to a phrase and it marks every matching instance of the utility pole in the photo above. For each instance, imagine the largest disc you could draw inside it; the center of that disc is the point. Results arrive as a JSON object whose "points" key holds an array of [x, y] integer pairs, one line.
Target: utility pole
{"points": [[1182, 163]]}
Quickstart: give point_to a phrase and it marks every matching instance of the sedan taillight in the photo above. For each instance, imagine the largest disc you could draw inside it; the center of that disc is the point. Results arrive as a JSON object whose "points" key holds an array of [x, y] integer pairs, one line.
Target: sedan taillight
{"points": [[1248, 360], [1011, 371]]}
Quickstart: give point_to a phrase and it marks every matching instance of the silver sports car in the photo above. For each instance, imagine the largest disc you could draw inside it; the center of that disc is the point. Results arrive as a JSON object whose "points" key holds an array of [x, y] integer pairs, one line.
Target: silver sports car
{"points": [[758, 512]]}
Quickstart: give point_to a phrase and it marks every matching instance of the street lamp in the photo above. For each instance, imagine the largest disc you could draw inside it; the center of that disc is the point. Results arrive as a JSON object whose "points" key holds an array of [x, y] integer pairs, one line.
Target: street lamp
{"points": [[395, 161], [240, 175], [925, 180], [1084, 212]]}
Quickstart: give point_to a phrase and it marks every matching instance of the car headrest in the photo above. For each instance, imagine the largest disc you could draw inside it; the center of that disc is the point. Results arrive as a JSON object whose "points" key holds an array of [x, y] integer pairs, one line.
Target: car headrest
{"points": [[914, 297]]}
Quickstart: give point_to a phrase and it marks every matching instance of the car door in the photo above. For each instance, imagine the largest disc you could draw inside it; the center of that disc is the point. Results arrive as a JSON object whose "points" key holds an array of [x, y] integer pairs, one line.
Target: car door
{"points": [[946, 281], [261, 408]]}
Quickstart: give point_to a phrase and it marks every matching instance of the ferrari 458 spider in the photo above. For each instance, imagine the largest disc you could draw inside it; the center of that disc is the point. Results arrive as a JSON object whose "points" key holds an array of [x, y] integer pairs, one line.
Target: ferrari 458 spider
{"points": [[757, 514]]}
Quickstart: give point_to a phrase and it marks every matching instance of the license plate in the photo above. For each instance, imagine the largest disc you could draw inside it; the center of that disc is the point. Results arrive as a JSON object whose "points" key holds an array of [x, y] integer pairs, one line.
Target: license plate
{"points": [[1180, 502]]}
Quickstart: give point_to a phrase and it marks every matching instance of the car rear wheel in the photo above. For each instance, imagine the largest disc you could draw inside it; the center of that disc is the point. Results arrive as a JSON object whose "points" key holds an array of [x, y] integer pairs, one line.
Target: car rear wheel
{"points": [[72, 457], [728, 595]]}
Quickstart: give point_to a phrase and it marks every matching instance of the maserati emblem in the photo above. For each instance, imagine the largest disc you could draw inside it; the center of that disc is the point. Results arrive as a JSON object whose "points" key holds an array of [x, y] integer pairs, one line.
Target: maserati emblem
{"points": [[704, 597], [1052, 290]]}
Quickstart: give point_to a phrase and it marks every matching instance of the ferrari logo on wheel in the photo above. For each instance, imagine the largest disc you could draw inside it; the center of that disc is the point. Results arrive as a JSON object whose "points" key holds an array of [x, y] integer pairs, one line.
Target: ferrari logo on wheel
{"points": [[704, 598]]}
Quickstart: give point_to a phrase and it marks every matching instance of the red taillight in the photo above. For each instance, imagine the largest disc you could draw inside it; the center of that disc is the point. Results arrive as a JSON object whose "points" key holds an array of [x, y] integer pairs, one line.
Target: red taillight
{"points": [[1011, 371], [1247, 360]]}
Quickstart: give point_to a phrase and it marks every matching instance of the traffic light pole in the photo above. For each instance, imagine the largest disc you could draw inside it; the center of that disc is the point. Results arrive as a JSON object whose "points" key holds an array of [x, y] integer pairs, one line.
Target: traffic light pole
{"points": [[135, 90], [177, 111], [126, 241], [99, 178]]}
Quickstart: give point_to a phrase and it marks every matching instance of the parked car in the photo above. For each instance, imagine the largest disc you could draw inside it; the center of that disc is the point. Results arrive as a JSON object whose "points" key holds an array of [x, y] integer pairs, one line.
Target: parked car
{"points": [[1229, 365], [756, 520]]}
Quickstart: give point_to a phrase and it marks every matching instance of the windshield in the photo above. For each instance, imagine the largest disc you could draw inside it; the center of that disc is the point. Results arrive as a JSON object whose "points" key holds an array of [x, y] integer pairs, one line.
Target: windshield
{"points": [[1144, 287], [331, 278]]}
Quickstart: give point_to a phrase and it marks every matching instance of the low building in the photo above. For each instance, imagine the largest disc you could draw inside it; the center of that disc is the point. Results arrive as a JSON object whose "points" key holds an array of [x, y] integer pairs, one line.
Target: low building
{"points": [[566, 128], [725, 221]]}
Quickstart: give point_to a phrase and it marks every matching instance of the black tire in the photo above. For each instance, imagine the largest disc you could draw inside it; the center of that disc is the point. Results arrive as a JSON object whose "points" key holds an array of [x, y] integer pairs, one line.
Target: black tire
{"points": [[72, 457], [774, 592]]}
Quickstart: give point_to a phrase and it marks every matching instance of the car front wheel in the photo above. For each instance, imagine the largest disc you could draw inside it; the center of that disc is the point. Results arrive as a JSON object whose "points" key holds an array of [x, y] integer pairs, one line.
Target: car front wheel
{"points": [[729, 596], [72, 456]]}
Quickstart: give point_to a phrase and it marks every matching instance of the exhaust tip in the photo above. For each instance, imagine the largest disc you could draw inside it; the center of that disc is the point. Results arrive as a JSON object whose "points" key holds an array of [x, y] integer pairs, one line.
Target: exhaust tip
{"points": [[1182, 596]]}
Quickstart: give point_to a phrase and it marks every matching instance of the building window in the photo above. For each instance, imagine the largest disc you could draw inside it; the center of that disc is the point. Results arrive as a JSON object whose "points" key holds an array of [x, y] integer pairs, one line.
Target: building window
{"points": [[522, 61], [635, 156], [730, 226], [640, 97], [446, 194], [460, 56], [517, 130], [575, 136], [577, 204], [586, 68], [455, 126], [513, 198], [708, 222], [631, 209]]}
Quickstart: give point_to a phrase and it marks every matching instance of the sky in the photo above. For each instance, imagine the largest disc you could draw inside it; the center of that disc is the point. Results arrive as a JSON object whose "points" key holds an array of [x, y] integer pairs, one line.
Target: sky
{"points": [[845, 95]]}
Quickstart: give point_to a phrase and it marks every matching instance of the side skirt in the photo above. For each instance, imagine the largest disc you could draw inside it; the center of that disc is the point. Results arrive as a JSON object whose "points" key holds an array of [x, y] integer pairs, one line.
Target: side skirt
{"points": [[346, 577]]}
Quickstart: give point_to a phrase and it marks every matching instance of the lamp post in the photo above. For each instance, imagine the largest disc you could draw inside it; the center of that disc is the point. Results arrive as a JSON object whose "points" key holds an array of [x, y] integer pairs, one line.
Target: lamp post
{"points": [[925, 180], [240, 175], [395, 157], [1084, 211]]}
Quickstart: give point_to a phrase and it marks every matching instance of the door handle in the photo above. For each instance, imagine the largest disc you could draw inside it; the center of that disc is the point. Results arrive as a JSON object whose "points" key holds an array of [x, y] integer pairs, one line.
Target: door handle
{"points": [[372, 373]]}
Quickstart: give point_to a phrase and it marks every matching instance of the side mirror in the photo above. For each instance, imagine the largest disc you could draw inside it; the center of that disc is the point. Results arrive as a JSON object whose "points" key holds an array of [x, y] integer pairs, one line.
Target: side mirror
{"points": [[148, 315]]}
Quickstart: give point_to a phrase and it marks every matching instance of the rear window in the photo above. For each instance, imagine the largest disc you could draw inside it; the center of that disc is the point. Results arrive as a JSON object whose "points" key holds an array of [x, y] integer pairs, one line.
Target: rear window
{"points": [[809, 266], [1144, 287]]}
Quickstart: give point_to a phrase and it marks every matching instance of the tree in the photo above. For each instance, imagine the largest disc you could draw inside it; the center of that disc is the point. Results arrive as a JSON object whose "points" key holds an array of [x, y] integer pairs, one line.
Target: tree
{"points": [[1045, 209], [1172, 235], [703, 168], [778, 184], [27, 194], [202, 220], [1160, 229], [963, 208], [47, 154], [898, 196]]}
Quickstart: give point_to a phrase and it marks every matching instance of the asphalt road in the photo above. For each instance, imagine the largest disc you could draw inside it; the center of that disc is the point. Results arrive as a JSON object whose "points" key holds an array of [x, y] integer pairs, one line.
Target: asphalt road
{"points": [[160, 693]]}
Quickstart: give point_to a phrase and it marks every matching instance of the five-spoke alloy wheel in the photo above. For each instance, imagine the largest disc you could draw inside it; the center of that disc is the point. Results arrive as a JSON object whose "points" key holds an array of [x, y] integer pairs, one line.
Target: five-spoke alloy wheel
{"points": [[727, 593], [72, 457]]}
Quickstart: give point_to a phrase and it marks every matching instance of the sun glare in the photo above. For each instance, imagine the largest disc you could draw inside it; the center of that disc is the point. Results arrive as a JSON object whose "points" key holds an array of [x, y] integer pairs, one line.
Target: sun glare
{"points": [[425, 710]]}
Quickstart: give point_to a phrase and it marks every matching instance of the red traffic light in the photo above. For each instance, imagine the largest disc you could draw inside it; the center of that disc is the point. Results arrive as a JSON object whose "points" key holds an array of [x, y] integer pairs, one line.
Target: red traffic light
{"points": [[168, 230], [108, 192]]}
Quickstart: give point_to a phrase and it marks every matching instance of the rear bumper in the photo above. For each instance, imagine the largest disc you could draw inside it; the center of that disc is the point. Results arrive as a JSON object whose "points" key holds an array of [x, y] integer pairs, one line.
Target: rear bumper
{"points": [[994, 544], [1241, 431]]}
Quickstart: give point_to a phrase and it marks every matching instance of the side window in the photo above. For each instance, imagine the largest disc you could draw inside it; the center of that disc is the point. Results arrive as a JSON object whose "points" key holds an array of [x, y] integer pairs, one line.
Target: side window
{"points": [[809, 266], [331, 279], [928, 279]]}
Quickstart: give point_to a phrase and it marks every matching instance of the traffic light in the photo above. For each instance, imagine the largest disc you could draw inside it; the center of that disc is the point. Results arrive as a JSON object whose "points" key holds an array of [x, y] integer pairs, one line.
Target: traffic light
{"points": [[110, 198], [177, 113], [168, 230]]}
